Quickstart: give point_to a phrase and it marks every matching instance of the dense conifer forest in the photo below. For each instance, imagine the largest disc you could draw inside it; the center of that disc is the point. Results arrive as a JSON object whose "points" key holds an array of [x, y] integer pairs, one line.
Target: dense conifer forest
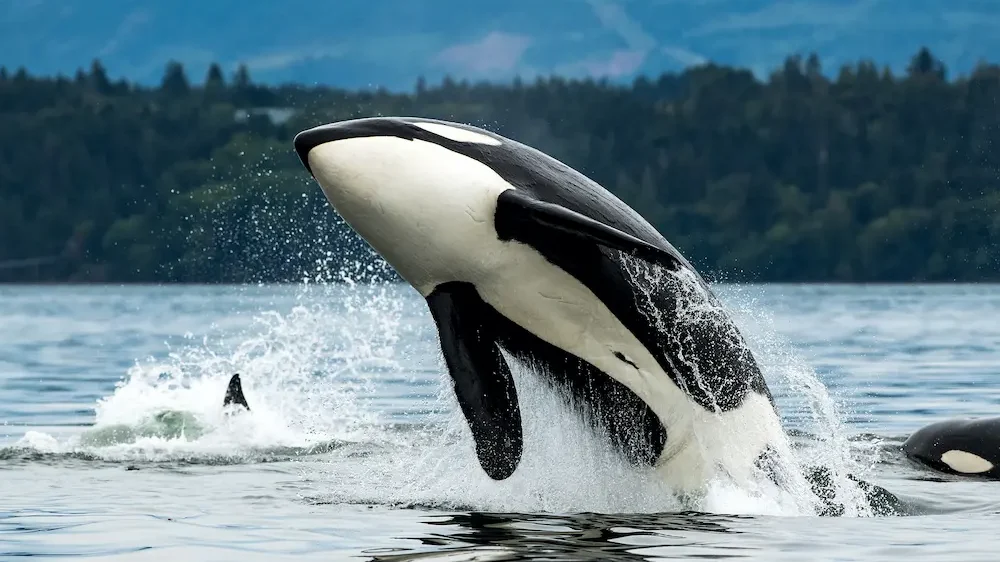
{"points": [[868, 176]]}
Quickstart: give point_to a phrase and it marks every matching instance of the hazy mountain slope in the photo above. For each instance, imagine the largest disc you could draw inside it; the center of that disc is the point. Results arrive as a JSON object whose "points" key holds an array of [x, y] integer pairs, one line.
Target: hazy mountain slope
{"points": [[390, 42]]}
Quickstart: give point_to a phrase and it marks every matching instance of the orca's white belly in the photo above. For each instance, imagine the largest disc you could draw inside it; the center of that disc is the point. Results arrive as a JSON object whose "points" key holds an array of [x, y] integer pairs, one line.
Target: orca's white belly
{"points": [[556, 307]]}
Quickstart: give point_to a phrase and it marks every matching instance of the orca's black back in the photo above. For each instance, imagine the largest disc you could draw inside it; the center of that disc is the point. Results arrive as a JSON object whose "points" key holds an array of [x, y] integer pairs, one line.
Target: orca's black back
{"points": [[981, 437]]}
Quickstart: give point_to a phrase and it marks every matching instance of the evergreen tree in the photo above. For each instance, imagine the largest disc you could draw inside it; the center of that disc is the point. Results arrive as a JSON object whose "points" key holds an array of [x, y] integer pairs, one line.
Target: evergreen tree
{"points": [[214, 77], [175, 82], [868, 176], [99, 78]]}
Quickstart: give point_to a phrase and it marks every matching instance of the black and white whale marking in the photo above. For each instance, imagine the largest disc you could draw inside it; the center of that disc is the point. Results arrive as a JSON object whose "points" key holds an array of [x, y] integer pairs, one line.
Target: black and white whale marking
{"points": [[969, 447], [515, 250]]}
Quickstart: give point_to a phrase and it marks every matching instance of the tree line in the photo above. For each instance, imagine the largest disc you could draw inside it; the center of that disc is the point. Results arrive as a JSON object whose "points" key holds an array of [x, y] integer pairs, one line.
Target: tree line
{"points": [[867, 176]]}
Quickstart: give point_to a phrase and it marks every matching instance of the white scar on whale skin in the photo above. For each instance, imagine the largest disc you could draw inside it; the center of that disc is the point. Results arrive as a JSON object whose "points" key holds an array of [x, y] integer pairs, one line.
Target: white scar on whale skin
{"points": [[967, 463], [456, 134]]}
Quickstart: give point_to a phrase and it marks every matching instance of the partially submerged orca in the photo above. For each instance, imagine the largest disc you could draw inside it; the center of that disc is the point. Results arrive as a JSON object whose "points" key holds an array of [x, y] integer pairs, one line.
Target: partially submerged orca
{"points": [[167, 423], [515, 252], [234, 393], [964, 447]]}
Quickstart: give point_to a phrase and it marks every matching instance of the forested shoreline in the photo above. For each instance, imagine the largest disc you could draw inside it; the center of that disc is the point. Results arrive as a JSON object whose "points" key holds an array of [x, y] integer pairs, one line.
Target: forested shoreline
{"points": [[867, 177]]}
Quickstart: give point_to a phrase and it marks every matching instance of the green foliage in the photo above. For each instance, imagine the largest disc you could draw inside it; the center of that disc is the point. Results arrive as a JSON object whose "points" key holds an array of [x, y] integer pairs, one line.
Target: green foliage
{"points": [[868, 177]]}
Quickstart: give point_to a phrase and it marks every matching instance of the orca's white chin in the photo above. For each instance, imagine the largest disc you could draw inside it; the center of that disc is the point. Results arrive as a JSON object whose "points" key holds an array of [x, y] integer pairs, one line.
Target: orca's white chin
{"points": [[426, 210]]}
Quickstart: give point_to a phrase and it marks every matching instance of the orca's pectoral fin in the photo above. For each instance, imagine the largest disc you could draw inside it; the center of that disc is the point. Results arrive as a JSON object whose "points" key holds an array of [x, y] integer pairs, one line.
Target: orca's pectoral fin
{"points": [[521, 217], [234, 393], [481, 377]]}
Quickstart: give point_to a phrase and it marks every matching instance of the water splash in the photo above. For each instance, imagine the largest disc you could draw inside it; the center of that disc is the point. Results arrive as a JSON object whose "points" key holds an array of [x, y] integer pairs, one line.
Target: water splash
{"points": [[808, 407], [321, 377], [565, 467], [308, 379], [790, 380]]}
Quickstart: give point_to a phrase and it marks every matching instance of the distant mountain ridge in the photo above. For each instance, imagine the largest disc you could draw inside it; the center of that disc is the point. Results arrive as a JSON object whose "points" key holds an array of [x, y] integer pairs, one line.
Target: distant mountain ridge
{"points": [[390, 43]]}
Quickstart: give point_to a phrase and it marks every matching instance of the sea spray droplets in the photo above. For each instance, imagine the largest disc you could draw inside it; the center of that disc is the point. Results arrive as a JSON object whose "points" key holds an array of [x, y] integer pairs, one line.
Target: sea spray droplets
{"points": [[565, 467], [693, 305], [651, 283], [807, 404]]}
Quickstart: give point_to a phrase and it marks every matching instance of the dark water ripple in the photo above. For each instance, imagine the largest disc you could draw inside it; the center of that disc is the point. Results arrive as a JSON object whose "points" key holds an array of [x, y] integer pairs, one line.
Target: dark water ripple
{"points": [[13, 456]]}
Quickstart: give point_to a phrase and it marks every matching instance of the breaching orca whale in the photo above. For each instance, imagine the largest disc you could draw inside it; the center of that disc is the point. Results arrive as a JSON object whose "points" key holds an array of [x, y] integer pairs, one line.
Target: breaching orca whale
{"points": [[969, 447], [516, 252]]}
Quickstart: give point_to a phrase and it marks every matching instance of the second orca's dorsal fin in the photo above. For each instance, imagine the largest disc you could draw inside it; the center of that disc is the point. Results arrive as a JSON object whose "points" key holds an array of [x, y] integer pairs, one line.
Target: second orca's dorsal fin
{"points": [[234, 393]]}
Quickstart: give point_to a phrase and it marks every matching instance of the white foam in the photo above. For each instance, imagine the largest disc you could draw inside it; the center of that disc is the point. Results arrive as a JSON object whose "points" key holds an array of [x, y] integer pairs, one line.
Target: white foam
{"points": [[564, 467], [42, 442], [802, 397], [304, 376]]}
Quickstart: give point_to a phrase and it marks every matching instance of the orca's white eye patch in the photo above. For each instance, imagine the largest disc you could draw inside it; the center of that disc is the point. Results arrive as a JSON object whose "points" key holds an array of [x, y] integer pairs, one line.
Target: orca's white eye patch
{"points": [[967, 463], [457, 134]]}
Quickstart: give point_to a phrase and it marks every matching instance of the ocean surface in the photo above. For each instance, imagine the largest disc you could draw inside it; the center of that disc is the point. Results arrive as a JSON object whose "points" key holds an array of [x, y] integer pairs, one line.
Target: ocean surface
{"points": [[114, 443]]}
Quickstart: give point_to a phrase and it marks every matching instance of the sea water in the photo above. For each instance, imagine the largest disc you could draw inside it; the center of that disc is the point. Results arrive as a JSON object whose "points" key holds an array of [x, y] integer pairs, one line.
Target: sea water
{"points": [[114, 443]]}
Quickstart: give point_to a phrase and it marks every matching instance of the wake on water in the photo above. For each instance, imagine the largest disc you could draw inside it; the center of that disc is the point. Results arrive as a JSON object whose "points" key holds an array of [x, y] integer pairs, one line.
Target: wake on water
{"points": [[312, 375]]}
